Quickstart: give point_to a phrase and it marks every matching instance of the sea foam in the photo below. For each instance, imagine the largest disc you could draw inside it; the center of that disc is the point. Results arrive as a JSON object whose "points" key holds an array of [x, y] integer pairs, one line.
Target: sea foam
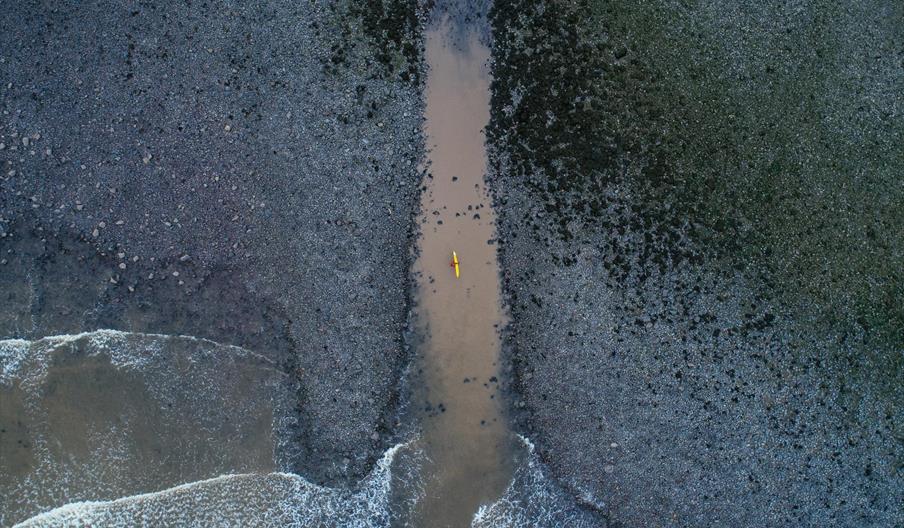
{"points": [[534, 500], [104, 414], [272, 499]]}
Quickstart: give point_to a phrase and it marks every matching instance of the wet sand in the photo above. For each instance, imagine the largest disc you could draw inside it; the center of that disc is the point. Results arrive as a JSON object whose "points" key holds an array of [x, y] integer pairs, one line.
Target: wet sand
{"points": [[465, 435]]}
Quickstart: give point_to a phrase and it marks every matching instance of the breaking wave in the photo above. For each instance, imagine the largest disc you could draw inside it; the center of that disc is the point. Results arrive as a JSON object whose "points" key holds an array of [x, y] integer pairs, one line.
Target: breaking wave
{"points": [[272, 499], [203, 377], [16, 353], [534, 500], [105, 414], [155, 410]]}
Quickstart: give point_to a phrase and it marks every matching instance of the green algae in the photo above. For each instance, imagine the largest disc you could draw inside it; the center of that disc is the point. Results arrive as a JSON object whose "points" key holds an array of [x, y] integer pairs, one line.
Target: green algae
{"points": [[390, 29], [741, 138]]}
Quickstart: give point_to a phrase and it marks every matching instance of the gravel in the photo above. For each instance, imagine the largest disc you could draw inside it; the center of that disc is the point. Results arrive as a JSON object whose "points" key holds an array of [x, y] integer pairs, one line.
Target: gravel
{"points": [[257, 163], [702, 256]]}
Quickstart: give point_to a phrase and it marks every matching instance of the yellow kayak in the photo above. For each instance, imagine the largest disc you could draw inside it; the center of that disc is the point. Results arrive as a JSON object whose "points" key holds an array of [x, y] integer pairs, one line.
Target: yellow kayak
{"points": [[455, 264]]}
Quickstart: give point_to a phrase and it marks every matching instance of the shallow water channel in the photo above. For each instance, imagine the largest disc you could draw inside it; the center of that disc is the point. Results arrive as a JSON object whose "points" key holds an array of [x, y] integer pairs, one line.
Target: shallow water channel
{"points": [[466, 439]]}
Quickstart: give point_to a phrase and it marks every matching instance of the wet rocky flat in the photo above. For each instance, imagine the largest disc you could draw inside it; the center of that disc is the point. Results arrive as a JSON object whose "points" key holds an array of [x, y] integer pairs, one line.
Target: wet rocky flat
{"points": [[701, 236], [244, 174], [209, 214]]}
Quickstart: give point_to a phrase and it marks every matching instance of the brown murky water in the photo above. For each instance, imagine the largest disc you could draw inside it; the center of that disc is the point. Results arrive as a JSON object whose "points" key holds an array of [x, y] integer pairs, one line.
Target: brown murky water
{"points": [[109, 414], [466, 437]]}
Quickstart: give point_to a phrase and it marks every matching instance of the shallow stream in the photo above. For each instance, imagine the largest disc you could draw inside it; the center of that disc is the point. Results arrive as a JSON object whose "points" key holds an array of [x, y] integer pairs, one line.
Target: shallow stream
{"points": [[465, 436]]}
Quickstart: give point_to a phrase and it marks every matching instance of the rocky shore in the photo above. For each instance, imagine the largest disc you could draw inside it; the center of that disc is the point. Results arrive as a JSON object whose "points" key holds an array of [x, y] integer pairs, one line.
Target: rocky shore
{"points": [[212, 206], [245, 173], [701, 239]]}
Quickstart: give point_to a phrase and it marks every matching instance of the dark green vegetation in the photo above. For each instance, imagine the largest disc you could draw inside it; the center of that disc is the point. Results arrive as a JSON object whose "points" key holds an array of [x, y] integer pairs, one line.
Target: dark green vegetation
{"points": [[717, 190], [766, 148], [390, 27]]}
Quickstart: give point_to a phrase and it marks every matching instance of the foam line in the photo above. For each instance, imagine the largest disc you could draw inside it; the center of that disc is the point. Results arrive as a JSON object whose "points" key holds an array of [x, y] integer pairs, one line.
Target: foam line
{"points": [[269, 499], [13, 352], [533, 500]]}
